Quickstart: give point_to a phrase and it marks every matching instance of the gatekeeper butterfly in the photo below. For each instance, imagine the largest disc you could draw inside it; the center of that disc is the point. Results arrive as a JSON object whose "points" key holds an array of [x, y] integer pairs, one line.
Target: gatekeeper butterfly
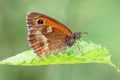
{"points": [[47, 35]]}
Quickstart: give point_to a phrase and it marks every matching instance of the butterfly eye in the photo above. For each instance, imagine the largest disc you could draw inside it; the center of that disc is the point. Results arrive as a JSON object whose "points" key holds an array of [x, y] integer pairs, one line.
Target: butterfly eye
{"points": [[40, 21]]}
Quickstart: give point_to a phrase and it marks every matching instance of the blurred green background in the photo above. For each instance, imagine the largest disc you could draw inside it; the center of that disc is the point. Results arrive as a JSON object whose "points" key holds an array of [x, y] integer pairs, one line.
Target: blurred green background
{"points": [[103, 17]]}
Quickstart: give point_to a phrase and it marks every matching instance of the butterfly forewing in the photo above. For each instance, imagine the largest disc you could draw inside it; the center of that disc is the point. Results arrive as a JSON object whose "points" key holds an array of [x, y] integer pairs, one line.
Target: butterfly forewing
{"points": [[33, 19]]}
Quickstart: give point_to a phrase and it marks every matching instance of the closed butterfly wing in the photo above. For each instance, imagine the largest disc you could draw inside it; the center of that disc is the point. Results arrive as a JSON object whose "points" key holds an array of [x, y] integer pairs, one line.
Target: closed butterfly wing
{"points": [[45, 34]]}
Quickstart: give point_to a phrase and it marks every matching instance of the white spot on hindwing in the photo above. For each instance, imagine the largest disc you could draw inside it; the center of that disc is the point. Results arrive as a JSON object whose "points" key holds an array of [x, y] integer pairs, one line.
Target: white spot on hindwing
{"points": [[38, 32], [41, 38], [49, 29]]}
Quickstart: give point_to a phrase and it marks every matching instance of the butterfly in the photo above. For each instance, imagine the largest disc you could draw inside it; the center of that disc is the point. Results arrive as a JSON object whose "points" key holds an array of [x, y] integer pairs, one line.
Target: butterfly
{"points": [[47, 35]]}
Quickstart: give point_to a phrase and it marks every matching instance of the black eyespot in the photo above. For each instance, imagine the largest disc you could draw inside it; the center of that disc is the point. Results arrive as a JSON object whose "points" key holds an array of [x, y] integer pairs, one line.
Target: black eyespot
{"points": [[40, 21]]}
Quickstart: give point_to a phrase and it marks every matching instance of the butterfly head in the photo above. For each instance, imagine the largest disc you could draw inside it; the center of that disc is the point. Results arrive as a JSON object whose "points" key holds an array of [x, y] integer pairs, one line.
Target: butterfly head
{"points": [[77, 35], [71, 40]]}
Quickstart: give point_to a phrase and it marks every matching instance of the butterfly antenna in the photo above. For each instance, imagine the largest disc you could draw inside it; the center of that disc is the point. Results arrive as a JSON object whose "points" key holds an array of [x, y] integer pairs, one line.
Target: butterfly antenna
{"points": [[84, 33], [85, 25]]}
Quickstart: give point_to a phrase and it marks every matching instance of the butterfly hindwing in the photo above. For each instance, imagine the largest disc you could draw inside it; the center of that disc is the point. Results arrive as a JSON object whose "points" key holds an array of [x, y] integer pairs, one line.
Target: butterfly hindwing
{"points": [[43, 39]]}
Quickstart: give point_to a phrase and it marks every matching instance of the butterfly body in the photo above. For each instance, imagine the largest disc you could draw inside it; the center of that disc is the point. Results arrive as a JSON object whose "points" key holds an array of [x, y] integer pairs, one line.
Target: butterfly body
{"points": [[46, 35]]}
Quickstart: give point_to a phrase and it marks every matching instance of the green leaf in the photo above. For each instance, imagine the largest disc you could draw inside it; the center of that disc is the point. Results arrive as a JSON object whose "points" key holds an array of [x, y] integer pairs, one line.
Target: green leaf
{"points": [[81, 52]]}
